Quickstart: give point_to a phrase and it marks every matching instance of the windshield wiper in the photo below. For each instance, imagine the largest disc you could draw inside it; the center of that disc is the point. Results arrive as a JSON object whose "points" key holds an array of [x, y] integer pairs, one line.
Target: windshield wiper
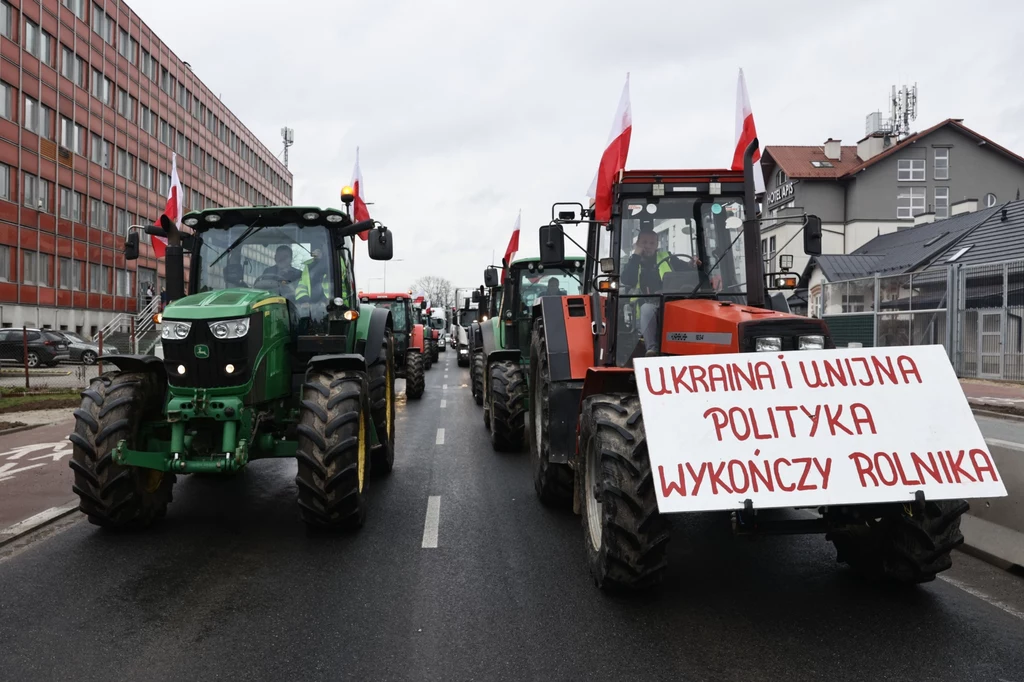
{"points": [[248, 231], [712, 268]]}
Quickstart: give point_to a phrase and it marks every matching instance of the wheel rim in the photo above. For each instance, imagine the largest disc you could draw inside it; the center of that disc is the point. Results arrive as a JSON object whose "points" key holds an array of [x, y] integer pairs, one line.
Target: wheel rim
{"points": [[594, 506], [33, 360], [88, 358]]}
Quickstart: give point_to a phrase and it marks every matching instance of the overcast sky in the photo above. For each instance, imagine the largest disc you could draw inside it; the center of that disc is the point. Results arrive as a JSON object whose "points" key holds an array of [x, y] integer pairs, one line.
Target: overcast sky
{"points": [[467, 111]]}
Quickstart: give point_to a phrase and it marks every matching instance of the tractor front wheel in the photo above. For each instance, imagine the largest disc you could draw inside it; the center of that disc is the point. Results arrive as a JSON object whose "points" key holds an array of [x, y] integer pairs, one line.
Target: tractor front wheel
{"points": [[553, 482], [434, 354], [908, 547], [476, 377], [415, 383], [332, 452], [382, 407], [624, 534], [507, 401], [113, 408]]}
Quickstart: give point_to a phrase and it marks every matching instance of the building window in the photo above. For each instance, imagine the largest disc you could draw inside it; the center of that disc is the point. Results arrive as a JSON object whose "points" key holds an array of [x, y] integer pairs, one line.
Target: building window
{"points": [[70, 205], [72, 66], [76, 6], [99, 214], [910, 202], [145, 175], [78, 275], [5, 182], [941, 202], [122, 283], [911, 170], [125, 164], [124, 221], [163, 184], [768, 251], [105, 279], [36, 192], [65, 274], [5, 263], [102, 24], [29, 264], [125, 104], [126, 46], [37, 118], [38, 43], [100, 151], [94, 278], [146, 119], [942, 164], [990, 200], [72, 136], [101, 87], [6, 109], [6, 24]]}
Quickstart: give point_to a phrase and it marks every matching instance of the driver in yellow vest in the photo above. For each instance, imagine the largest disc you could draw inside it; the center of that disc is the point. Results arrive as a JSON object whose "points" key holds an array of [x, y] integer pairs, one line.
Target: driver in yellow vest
{"points": [[644, 271]]}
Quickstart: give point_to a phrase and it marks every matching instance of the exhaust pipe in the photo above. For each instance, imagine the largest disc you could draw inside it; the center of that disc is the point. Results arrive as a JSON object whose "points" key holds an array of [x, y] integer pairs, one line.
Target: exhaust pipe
{"points": [[752, 233]]}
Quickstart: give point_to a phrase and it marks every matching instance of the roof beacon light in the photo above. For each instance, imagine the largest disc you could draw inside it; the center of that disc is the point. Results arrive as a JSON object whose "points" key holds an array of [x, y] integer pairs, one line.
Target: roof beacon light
{"points": [[348, 194]]}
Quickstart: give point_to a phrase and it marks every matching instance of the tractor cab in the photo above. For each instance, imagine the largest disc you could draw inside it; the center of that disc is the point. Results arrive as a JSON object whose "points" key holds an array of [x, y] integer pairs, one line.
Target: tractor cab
{"points": [[410, 357]]}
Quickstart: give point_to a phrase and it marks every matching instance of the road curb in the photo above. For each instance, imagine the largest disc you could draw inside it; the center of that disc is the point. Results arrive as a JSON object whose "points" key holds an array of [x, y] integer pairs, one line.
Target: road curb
{"points": [[1008, 416], [34, 523], [19, 429], [994, 544]]}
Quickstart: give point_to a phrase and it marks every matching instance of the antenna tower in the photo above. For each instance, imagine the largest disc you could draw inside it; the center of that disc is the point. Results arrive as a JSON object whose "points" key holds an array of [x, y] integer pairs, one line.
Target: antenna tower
{"points": [[288, 135]]}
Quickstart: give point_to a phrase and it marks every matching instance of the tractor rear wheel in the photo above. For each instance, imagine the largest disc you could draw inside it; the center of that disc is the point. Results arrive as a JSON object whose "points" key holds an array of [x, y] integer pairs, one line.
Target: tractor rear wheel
{"points": [[428, 361], [382, 408], [434, 353], [907, 547], [332, 453], [415, 383], [113, 408], [625, 536], [553, 482], [476, 377], [507, 401]]}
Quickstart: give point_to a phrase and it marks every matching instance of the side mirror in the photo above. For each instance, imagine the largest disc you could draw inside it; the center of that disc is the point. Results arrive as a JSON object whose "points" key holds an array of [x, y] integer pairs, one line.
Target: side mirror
{"points": [[476, 297], [552, 245], [379, 244], [491, 277], [812, 236], [131, 246]]}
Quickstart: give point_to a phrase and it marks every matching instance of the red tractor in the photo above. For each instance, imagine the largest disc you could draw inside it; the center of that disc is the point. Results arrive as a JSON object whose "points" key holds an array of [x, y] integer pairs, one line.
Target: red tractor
{"points": [[431, 335], [709, 295], [410, 355]]}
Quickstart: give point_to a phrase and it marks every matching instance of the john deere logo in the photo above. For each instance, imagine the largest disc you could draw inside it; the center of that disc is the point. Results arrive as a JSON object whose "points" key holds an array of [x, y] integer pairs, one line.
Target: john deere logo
{"points": [[202, 351]]}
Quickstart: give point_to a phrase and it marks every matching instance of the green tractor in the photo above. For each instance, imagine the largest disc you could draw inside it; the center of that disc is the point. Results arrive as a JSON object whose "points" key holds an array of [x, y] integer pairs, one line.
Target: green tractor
{"points": [[410, 350], [431, 336], [268, 355], [490, 303], [506, 342]]}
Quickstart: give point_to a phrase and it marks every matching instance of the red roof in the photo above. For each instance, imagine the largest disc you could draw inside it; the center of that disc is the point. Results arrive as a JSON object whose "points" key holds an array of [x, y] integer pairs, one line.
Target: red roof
{"points": [[796, 161]]}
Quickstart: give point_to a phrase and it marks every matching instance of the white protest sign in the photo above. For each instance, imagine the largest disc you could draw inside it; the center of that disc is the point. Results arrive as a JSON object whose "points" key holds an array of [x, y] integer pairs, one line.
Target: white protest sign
{"points": [[811, 428]]}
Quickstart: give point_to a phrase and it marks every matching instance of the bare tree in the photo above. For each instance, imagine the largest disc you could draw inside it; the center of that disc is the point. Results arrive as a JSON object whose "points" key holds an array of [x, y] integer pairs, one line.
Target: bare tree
{"points": [[438, 290]]}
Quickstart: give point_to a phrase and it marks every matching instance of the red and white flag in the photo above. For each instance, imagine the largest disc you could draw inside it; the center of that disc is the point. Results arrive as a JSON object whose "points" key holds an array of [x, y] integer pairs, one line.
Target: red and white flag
{"points": [[513, 244], [614, 158], [360, 212], [745, 134], [172, 210]]}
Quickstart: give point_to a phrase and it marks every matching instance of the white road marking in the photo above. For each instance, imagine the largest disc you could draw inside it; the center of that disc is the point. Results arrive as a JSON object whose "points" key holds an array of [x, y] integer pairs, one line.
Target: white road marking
{"points": [[1002, 606], [444, 403], [35, 520], [444, 386], [440, 437], [8, 470], [445, 376], [1009, 445], [432, 521]]}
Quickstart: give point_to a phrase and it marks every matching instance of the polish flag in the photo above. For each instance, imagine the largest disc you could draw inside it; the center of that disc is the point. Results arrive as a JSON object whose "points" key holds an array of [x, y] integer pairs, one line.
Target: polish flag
{"points": [[614, 158], [172, 210], [745, 134], [360, 212], [513, 244]]}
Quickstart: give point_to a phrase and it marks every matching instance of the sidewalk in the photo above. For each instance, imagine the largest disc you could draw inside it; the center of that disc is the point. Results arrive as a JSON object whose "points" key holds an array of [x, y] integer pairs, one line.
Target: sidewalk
{"points": [[34, 473], [997, 396]]}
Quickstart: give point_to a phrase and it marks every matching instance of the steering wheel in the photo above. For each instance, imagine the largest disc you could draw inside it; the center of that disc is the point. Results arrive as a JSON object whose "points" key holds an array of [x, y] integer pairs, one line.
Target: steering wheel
{"points": [[270, 283], [691, 260]]}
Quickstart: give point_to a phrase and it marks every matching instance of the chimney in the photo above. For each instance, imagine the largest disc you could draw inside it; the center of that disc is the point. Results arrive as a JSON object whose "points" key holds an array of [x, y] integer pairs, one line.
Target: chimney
{"points": [[873, 145], [964, 206], [833, 149], [922, 218]]}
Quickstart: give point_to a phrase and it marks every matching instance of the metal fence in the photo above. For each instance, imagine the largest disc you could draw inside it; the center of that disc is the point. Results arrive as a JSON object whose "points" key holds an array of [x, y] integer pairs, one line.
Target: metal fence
{"points": [[976, 312]]}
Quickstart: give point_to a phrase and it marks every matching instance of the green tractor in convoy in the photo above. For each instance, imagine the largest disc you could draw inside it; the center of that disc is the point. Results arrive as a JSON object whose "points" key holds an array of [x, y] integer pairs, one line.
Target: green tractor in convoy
{"points": [[268, 355], [490, 303], [506, 342], [411, 357]]}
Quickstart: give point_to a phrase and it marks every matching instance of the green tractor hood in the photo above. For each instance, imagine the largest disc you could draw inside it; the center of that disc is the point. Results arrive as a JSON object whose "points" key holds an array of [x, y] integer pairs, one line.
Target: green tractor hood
{"points": [[217, 305]]}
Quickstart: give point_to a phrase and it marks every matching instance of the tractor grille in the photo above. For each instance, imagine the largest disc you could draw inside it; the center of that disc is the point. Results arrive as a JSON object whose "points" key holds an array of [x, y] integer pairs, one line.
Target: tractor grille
{"points": [[789, 330], [209, 372]]}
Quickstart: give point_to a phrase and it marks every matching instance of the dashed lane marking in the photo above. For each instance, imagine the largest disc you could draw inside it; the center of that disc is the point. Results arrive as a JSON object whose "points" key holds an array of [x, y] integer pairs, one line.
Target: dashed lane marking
{"points": [[444, 386], [444, 403], [1001, 605], [440, 437], [430, 524]]}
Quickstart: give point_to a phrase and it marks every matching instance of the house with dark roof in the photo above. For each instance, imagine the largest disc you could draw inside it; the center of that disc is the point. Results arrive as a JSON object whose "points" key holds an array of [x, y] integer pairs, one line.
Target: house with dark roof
{"points": [[881, 185]]}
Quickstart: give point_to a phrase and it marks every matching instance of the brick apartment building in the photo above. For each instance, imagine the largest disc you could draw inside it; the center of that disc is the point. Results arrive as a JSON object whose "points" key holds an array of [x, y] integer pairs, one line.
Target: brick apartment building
{"points": [[92, 105]]}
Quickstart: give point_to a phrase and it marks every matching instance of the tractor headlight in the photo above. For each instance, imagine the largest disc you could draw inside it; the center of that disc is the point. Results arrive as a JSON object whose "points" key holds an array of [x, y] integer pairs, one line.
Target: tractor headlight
{"points": [[812, 342], [768, 344], [230, 329], [174, 330]]}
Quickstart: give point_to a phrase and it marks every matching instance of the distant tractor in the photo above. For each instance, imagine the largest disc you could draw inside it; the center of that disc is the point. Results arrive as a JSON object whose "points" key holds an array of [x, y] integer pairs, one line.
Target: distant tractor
{"points": [[410, 353], [431, 336], [490, 300], [269, 355], [438, 322], [464, 317], [506, 341]]}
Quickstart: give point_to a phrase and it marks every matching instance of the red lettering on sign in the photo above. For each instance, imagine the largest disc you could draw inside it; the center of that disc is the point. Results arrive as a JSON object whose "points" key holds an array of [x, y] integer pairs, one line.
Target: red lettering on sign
{"points": [[669, 487], [778, 476], [765, 478], [901, 472], [698, 374], [718, 418], [715, 476], [764, 374], [789, 410], [908, 368], [734, 478], [862, 415], [733, 411], [867, 371], [986, 466], [834, 372], [922, 468], [661, 373], [716, 374], [958, 470], [879, 458], [803, 484], [817, 383], [813, 418], [825, 471], [678, 379], [864, 469], [697, 477], [884, 370], [833, 421]]}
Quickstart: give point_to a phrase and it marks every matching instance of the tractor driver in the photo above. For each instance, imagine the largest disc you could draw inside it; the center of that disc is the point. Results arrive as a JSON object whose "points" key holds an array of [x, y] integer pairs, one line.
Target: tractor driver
{"points": [[281, 273]]}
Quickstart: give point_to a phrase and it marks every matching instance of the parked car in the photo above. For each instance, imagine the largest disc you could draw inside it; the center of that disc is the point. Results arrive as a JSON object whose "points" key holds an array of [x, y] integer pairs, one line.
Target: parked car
{"points": [[85, 351], [45, 346]]}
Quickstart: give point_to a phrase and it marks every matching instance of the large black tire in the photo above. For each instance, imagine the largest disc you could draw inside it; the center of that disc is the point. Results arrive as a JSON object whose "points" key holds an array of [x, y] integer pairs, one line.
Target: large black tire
{"points": [[382, 408], [476, 376], [625, 536], [435, 356], [332, 452], [904, 547], [553, 482], [415, 383], [507, 400], [112, 495], [428, 360]]}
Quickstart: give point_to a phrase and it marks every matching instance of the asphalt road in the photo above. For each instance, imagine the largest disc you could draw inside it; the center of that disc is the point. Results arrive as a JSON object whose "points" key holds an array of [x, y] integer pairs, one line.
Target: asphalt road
{"points": [[232, 587]]}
